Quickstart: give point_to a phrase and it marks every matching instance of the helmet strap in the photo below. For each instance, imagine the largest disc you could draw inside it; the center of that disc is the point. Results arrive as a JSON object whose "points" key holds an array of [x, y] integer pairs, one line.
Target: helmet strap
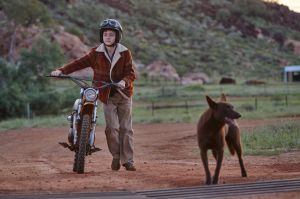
{"points": [[110, 55], [112, 45]]}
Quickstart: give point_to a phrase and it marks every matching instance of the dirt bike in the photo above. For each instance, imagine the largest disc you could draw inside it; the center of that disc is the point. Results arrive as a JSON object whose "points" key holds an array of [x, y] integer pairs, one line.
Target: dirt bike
{"points": [[81, 136]]}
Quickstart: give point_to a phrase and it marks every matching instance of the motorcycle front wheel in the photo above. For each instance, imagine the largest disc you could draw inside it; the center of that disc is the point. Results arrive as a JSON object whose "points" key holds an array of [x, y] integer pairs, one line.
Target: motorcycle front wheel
{"points": [[83, 141], [75, 164]]}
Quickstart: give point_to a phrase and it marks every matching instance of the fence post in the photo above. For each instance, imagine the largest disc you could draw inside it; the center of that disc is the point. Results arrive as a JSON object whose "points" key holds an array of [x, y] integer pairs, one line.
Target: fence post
{"points": [[152, 108], [186, 107], [163, 91], [28, 111], [286, 100], [256, 103]]}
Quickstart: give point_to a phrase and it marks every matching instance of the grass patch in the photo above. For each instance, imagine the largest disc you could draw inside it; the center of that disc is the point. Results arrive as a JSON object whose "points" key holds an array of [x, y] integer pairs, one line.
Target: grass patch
{"points": [[142, 113], [42, 121], [272, 139], [49, 121]]}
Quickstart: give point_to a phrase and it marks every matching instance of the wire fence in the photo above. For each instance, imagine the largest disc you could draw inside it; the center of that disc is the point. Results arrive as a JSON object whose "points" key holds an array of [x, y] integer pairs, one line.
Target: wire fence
{"points": [[248, 103]]}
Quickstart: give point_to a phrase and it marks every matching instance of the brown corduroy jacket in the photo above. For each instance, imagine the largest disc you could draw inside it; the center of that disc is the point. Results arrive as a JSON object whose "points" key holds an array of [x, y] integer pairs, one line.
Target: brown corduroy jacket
{"points": [[120, 68]]}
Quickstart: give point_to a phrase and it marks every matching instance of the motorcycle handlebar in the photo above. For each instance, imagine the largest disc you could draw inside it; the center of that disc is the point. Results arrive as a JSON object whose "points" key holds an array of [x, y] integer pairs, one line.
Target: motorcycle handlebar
{"points": [[81, 81], [62, 76]]}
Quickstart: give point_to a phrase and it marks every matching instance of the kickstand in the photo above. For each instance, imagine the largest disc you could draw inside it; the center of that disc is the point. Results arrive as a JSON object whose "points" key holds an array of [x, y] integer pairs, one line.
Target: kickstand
{"points": [[66, 145], [94, 149]]}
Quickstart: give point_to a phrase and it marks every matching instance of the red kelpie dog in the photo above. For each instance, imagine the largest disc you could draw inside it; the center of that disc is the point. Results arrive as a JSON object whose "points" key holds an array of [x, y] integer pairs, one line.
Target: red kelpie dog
{"points": [[216, 125]]}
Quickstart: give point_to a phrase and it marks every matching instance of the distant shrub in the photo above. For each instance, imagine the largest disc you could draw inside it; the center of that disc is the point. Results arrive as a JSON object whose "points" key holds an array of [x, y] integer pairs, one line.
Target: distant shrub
{"points": [[41, 59], [219, 2], [290, 47], [12, 96], [247, 107], [147, 8], [255, 8], [75, 31], [279, 37], [26, 12], [25, 86], [194, 87], [223, 14]]}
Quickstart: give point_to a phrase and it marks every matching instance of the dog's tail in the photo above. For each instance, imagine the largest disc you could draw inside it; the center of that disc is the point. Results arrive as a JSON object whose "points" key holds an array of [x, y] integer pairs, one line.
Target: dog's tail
{"points": [[232, 138]]}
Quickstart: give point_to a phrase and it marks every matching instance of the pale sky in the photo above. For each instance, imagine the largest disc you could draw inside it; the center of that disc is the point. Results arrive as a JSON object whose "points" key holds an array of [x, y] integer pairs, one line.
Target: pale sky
{"points": [[292, 4]]}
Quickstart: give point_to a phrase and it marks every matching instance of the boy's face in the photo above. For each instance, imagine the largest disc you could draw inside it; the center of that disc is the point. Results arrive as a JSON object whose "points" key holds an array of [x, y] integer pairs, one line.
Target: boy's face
{"points": [[109, 37]]}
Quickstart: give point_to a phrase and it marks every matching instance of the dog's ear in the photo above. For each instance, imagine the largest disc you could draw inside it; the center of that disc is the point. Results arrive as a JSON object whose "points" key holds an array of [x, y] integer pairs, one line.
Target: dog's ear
{"points": [[223, 98], [211, 103]]}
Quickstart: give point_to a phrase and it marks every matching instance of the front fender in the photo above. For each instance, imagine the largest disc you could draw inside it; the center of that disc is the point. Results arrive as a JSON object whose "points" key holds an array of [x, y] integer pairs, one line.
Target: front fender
{"points": [[87, 108]]}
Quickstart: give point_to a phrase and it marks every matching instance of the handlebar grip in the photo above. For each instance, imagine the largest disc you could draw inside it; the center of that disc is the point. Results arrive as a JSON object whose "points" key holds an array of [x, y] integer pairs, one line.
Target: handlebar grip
{"points": [[59, 76]]}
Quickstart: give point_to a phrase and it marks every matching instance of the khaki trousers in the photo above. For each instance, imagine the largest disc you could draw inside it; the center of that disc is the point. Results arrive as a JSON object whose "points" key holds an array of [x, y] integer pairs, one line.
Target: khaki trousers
{"points": [[118, 131]]}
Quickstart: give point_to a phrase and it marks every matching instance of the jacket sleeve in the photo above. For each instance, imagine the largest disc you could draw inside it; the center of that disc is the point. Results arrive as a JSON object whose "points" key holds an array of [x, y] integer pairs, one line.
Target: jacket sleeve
{"points": [[129, 72], [87, 60]]}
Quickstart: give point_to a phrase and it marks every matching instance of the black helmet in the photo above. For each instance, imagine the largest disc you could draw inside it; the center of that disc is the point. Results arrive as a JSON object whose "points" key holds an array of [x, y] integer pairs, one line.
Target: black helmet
{"points": [[111, 24]]}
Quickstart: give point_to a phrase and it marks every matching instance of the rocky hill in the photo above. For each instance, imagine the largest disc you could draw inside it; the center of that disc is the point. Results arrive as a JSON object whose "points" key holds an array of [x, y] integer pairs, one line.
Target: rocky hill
{"points": [[249, 39]]}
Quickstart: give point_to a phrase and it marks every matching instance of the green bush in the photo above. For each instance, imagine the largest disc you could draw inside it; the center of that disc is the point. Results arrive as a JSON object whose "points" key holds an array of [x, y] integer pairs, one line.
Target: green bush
{"points": [[12, 96], [38, 61], [25, 84], [223, 14], [219, 2], [26, 12], [250, 8]]}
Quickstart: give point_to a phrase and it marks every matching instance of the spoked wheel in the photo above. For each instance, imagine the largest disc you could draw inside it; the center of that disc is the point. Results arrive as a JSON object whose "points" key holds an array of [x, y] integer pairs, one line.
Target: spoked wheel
{"points": [[83, 141], [75, 162]]}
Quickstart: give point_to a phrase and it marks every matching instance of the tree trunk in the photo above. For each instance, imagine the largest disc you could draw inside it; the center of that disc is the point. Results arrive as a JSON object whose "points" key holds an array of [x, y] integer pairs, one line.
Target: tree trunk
{"points": [[12, 47]]}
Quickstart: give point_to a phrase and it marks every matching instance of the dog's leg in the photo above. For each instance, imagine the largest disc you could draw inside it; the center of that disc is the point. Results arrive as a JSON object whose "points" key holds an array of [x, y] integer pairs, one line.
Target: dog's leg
{"points": [[239, 154], [205, 164], [218, 166], [234, 144], [243, 170], [214, 152]]}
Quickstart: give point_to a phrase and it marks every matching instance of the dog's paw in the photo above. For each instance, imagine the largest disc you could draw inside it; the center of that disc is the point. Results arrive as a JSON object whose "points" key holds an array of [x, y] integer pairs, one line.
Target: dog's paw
{"points": [[244, 174], [208, 181], [215, 180]]}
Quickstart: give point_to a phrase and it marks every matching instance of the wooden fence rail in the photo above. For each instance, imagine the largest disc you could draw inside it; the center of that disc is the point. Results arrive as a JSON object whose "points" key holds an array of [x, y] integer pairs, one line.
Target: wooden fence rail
{"points": [[257, 100], [186, 106]]}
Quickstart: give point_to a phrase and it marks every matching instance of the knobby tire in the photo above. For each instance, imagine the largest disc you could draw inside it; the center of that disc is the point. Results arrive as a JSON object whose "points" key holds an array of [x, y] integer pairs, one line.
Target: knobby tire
{"points": [[83, 140]]}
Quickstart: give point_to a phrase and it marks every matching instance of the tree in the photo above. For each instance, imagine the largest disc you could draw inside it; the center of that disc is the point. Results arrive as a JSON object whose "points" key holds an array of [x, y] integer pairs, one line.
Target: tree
{"points": [[27, 12], [11, 94], [24, 84], [24, 13], [34, 65], [38, 61]]}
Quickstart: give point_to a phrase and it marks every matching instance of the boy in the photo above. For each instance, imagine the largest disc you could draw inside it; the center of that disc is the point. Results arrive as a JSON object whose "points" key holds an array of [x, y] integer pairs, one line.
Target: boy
{"points": [[112, 62]]}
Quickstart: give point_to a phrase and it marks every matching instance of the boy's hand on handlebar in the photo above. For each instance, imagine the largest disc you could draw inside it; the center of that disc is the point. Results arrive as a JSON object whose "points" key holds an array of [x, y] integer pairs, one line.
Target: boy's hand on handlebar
{"points": [[56, 73], [121, 84]]}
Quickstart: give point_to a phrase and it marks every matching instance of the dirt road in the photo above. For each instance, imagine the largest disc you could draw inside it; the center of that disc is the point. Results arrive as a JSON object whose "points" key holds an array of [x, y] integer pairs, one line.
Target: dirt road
{"points": [[166, 156]]}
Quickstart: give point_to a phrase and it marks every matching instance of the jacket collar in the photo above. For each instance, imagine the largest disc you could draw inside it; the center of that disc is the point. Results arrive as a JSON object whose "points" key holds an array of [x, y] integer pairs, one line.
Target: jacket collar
{"points": [[120, 48]]}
